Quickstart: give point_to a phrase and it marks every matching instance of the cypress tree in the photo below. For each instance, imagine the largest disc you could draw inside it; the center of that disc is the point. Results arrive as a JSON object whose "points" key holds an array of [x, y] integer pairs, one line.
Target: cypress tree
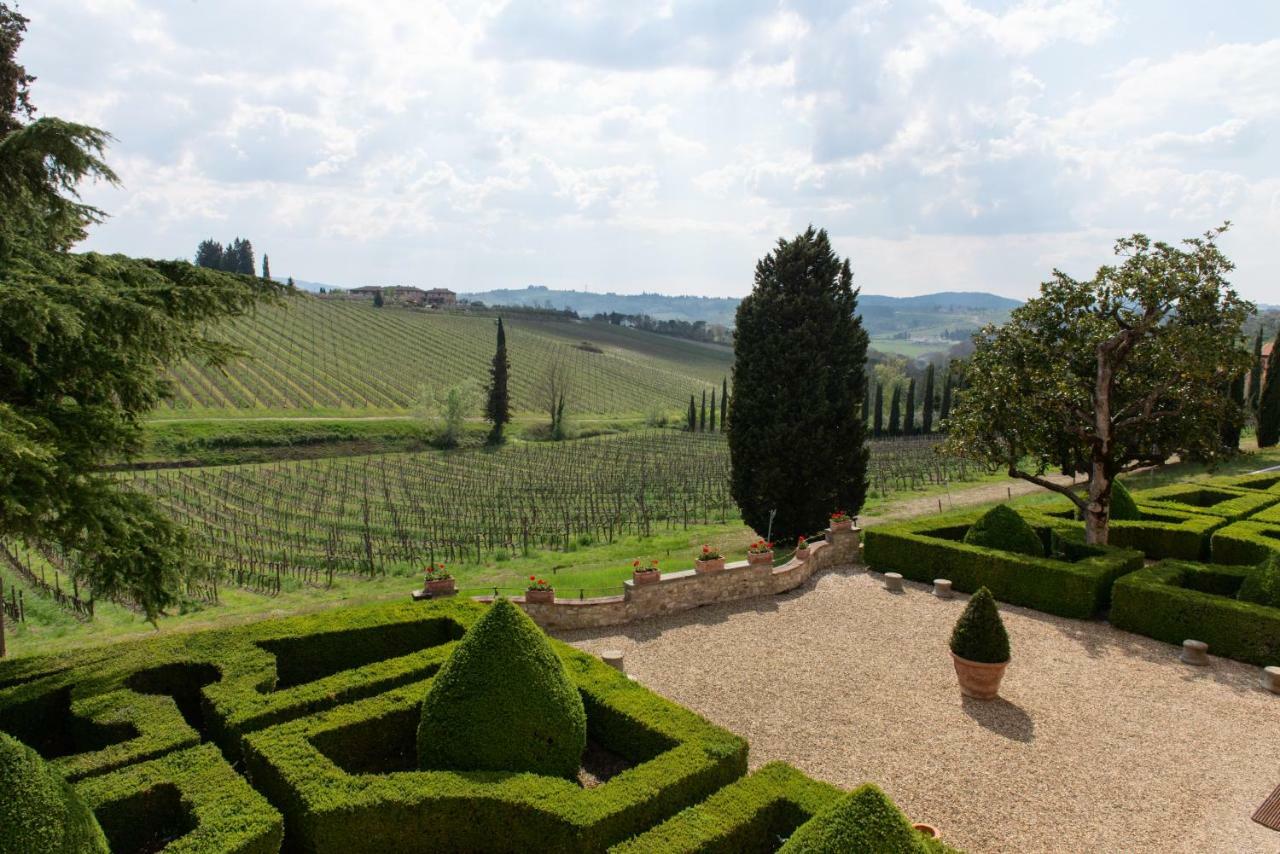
{"points": [[702, 416], [909, 419], [244, 259], [1269, 400], [1231, 424], [1255, 375], [209, 254], [895, 412], [945, 412], [266, 267], [377, 299], [498, 410], [724, 402], [797, 447], [693, 416], [927, 426], [879, 428], [713, 410], [866, 404]]}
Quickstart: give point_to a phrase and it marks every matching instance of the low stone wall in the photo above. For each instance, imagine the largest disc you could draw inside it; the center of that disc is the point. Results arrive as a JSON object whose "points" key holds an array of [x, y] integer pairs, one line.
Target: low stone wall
{"points": [[681, 591]]}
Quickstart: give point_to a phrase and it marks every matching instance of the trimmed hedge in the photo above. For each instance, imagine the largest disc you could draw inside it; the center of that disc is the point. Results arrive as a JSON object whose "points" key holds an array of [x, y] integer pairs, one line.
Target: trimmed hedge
{"points": [[1268, 481], [864, 820], [1161, 533], [1076, 585], [345, 779], [1245, 543], [749, 816], [1229, 503], [1262, 586], [1002, 528], [39, 811], [1176, 600], [192, 797], [1123, 507]]}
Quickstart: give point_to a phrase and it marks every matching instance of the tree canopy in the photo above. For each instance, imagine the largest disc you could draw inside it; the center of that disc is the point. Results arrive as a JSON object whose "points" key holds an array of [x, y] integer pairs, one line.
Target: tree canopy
{"points": [[1108, 374]]}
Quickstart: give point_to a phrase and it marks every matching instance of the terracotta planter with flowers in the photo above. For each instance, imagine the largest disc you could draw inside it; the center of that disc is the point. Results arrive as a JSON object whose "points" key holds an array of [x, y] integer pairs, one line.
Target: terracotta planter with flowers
{"points": [[539, 592], [641, 574], [802, 549], [841, 521], [438, 582], [709, 560], [760, 555]]}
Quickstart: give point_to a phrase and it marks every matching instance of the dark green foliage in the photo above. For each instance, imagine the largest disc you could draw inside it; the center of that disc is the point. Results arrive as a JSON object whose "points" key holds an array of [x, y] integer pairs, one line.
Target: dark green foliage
{"points": [[503, 703], [945, 411], [702, 415], [864, 821], [713, 410], [909, 415], [692, 420], [497, 410], [979, 634], [895, 412], [1175, 600], [879, 423], [39, 811], [1123, 507], [866, 406], [1269, 400], [926, 426], [1204, 499], [1255, 375], [1077, 584], [796, 444], [209, 254], [1161, 532], [1002, 528], [1262, 585], [724, 403], [15, 82], [266, 267], [378, 301], [1233, 419]]}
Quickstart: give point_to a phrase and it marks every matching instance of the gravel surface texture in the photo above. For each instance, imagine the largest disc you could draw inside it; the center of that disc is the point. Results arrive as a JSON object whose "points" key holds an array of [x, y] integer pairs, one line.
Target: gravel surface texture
{"points": [[1102, 741]]}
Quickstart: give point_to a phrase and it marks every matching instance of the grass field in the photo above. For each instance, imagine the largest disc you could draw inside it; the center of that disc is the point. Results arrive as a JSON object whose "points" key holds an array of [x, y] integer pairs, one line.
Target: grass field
{"points": [[316, 358]]}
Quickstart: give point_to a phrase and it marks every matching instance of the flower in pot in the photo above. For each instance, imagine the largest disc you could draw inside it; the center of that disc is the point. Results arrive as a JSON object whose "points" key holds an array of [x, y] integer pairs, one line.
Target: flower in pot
{"points": [[802, 548], [539, 591], [709, 560], [760, 553], [642, 574], [980, 647], [438, 581], [841, 521]]}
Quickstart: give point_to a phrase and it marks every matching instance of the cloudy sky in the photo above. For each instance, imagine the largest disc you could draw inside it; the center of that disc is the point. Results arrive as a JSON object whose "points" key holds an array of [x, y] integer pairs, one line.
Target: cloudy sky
{"points": [[665, 145]]}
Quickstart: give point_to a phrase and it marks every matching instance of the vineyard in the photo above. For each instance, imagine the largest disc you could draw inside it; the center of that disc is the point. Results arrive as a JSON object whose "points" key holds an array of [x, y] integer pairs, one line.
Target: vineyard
{"points": [[310, 355]]}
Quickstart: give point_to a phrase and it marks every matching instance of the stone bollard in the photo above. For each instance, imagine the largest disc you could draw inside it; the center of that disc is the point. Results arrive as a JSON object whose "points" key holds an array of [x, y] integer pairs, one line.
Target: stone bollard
{"points": [[1271, 679], [1195, 652], [893, 582], [942, 588], [613, 658]]}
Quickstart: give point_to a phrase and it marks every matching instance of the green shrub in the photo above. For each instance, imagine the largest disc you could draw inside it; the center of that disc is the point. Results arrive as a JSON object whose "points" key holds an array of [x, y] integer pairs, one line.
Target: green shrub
{"points": [[1262, 585], [979, 634], [1159, 533], [1267, 481], [1227, 502], [1123, 507], [864, 821], [1175, 600], [39, 811], [1245, 543], [1002, 528], [503, 702]]}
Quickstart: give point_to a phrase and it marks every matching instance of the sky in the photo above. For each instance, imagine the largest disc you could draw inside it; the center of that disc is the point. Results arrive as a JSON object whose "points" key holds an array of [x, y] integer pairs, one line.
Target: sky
{"points": [[666, 146]]}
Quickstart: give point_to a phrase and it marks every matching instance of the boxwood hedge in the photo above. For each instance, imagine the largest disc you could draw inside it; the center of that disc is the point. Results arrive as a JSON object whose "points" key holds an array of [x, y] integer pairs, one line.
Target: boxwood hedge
{"points": [[1266, 481], [1225, 501], [1248, 543], [1176, 600], [1160, 533], [1075, 584]]}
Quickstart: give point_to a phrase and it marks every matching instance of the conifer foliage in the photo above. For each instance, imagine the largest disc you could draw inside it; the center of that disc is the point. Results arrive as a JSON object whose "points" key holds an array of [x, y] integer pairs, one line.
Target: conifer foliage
{"points": [[1269, 400], [498, 409], [797, 445]]}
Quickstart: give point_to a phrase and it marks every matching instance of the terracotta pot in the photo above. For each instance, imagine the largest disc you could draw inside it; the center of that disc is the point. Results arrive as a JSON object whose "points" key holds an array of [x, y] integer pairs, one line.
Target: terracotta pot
{"points": [[716, 564], [802, 555], [846, 525], [927, 830], [645, 576], [541, 597], [762, 559], [979, 680], [439, 587]]}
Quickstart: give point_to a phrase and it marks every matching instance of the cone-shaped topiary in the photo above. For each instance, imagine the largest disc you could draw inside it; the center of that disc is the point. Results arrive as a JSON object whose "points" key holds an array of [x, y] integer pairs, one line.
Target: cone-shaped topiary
{"points": [[1262, 586], [979, 634], [39, 811], [1002, 528], [503, 702], [1123, 507], [865, 821]]}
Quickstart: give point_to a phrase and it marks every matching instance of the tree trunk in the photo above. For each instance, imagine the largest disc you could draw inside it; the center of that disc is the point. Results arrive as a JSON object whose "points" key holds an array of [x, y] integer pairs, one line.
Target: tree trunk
{"points": [[1097, 516]]}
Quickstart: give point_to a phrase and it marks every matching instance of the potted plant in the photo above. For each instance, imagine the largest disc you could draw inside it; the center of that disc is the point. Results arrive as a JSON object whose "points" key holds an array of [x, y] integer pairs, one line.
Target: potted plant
{"points": [[539, 591], [980, 647], [841, 521], [642, 574], [709, 560], [760, 553], [438, 581], [802, 549]]}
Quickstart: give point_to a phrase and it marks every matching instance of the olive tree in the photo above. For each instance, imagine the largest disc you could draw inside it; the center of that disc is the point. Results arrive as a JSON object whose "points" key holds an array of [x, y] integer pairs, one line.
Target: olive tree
{"points": [[1108, 374]]}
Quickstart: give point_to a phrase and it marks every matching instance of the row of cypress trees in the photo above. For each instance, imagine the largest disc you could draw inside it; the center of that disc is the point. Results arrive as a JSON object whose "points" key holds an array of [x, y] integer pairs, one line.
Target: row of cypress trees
{"points": [[902, 419], [698, 422]]}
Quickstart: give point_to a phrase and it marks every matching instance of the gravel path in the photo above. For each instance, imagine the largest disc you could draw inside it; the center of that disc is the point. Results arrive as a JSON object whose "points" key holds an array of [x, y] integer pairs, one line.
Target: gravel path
{"points": [[1102, 741]]}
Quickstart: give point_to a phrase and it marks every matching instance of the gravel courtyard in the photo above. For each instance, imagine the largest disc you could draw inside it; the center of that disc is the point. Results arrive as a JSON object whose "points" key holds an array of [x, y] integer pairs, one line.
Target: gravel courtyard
{"points": [[1102, 742]]}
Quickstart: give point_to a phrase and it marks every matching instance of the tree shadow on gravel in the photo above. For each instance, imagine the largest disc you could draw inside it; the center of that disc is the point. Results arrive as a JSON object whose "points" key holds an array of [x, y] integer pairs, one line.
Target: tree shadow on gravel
{"points": [[1001, 717]]}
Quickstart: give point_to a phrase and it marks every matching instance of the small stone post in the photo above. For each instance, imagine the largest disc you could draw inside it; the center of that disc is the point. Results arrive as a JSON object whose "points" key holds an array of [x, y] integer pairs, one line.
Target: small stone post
{"points": [[942, 588], [893, 582], [614, 658], [1271, 679], [1195, 652]]}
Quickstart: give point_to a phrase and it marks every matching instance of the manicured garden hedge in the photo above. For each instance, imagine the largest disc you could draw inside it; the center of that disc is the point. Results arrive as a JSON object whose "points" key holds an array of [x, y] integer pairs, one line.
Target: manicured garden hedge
{"points": [[1076, 585], [1160, 533], [193, 797], [1207, 500], [1245, 543], [1268, 481], [1176, 600]]}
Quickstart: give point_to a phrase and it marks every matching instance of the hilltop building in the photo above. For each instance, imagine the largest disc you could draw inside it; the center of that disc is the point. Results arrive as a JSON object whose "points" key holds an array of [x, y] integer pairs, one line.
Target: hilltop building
{"points": [[406, 295]]}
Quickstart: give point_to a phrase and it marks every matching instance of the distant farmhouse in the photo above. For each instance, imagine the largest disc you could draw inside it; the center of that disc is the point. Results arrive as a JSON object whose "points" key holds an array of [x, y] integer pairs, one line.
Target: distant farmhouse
{"points": [[435, 297]]}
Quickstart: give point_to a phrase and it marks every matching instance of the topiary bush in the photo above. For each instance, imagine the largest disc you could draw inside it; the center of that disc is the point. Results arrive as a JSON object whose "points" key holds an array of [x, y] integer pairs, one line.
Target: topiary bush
{"points": [[1002, 528], [1262, 586], [503, 702], [39, 811], [866, 820], [979, 634], [1123, 507]]}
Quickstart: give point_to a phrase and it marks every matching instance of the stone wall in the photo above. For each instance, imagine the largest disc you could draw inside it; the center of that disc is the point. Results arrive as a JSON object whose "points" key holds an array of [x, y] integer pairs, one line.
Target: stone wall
{"points": [[681, 591]]}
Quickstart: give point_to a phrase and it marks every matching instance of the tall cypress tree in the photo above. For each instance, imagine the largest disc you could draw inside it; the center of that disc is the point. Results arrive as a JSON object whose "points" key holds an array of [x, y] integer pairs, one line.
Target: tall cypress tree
{"points": [[724, 402], [879, 428], [909, 419], [895, 412], [1232, 423], [498, 409], [209, 254], [693, 415], [945, 412], [797, 447], [266, 266], [713, 410], [702, 416], [1269, 400], [926, 427], [1255, 375], [866, 404]]}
